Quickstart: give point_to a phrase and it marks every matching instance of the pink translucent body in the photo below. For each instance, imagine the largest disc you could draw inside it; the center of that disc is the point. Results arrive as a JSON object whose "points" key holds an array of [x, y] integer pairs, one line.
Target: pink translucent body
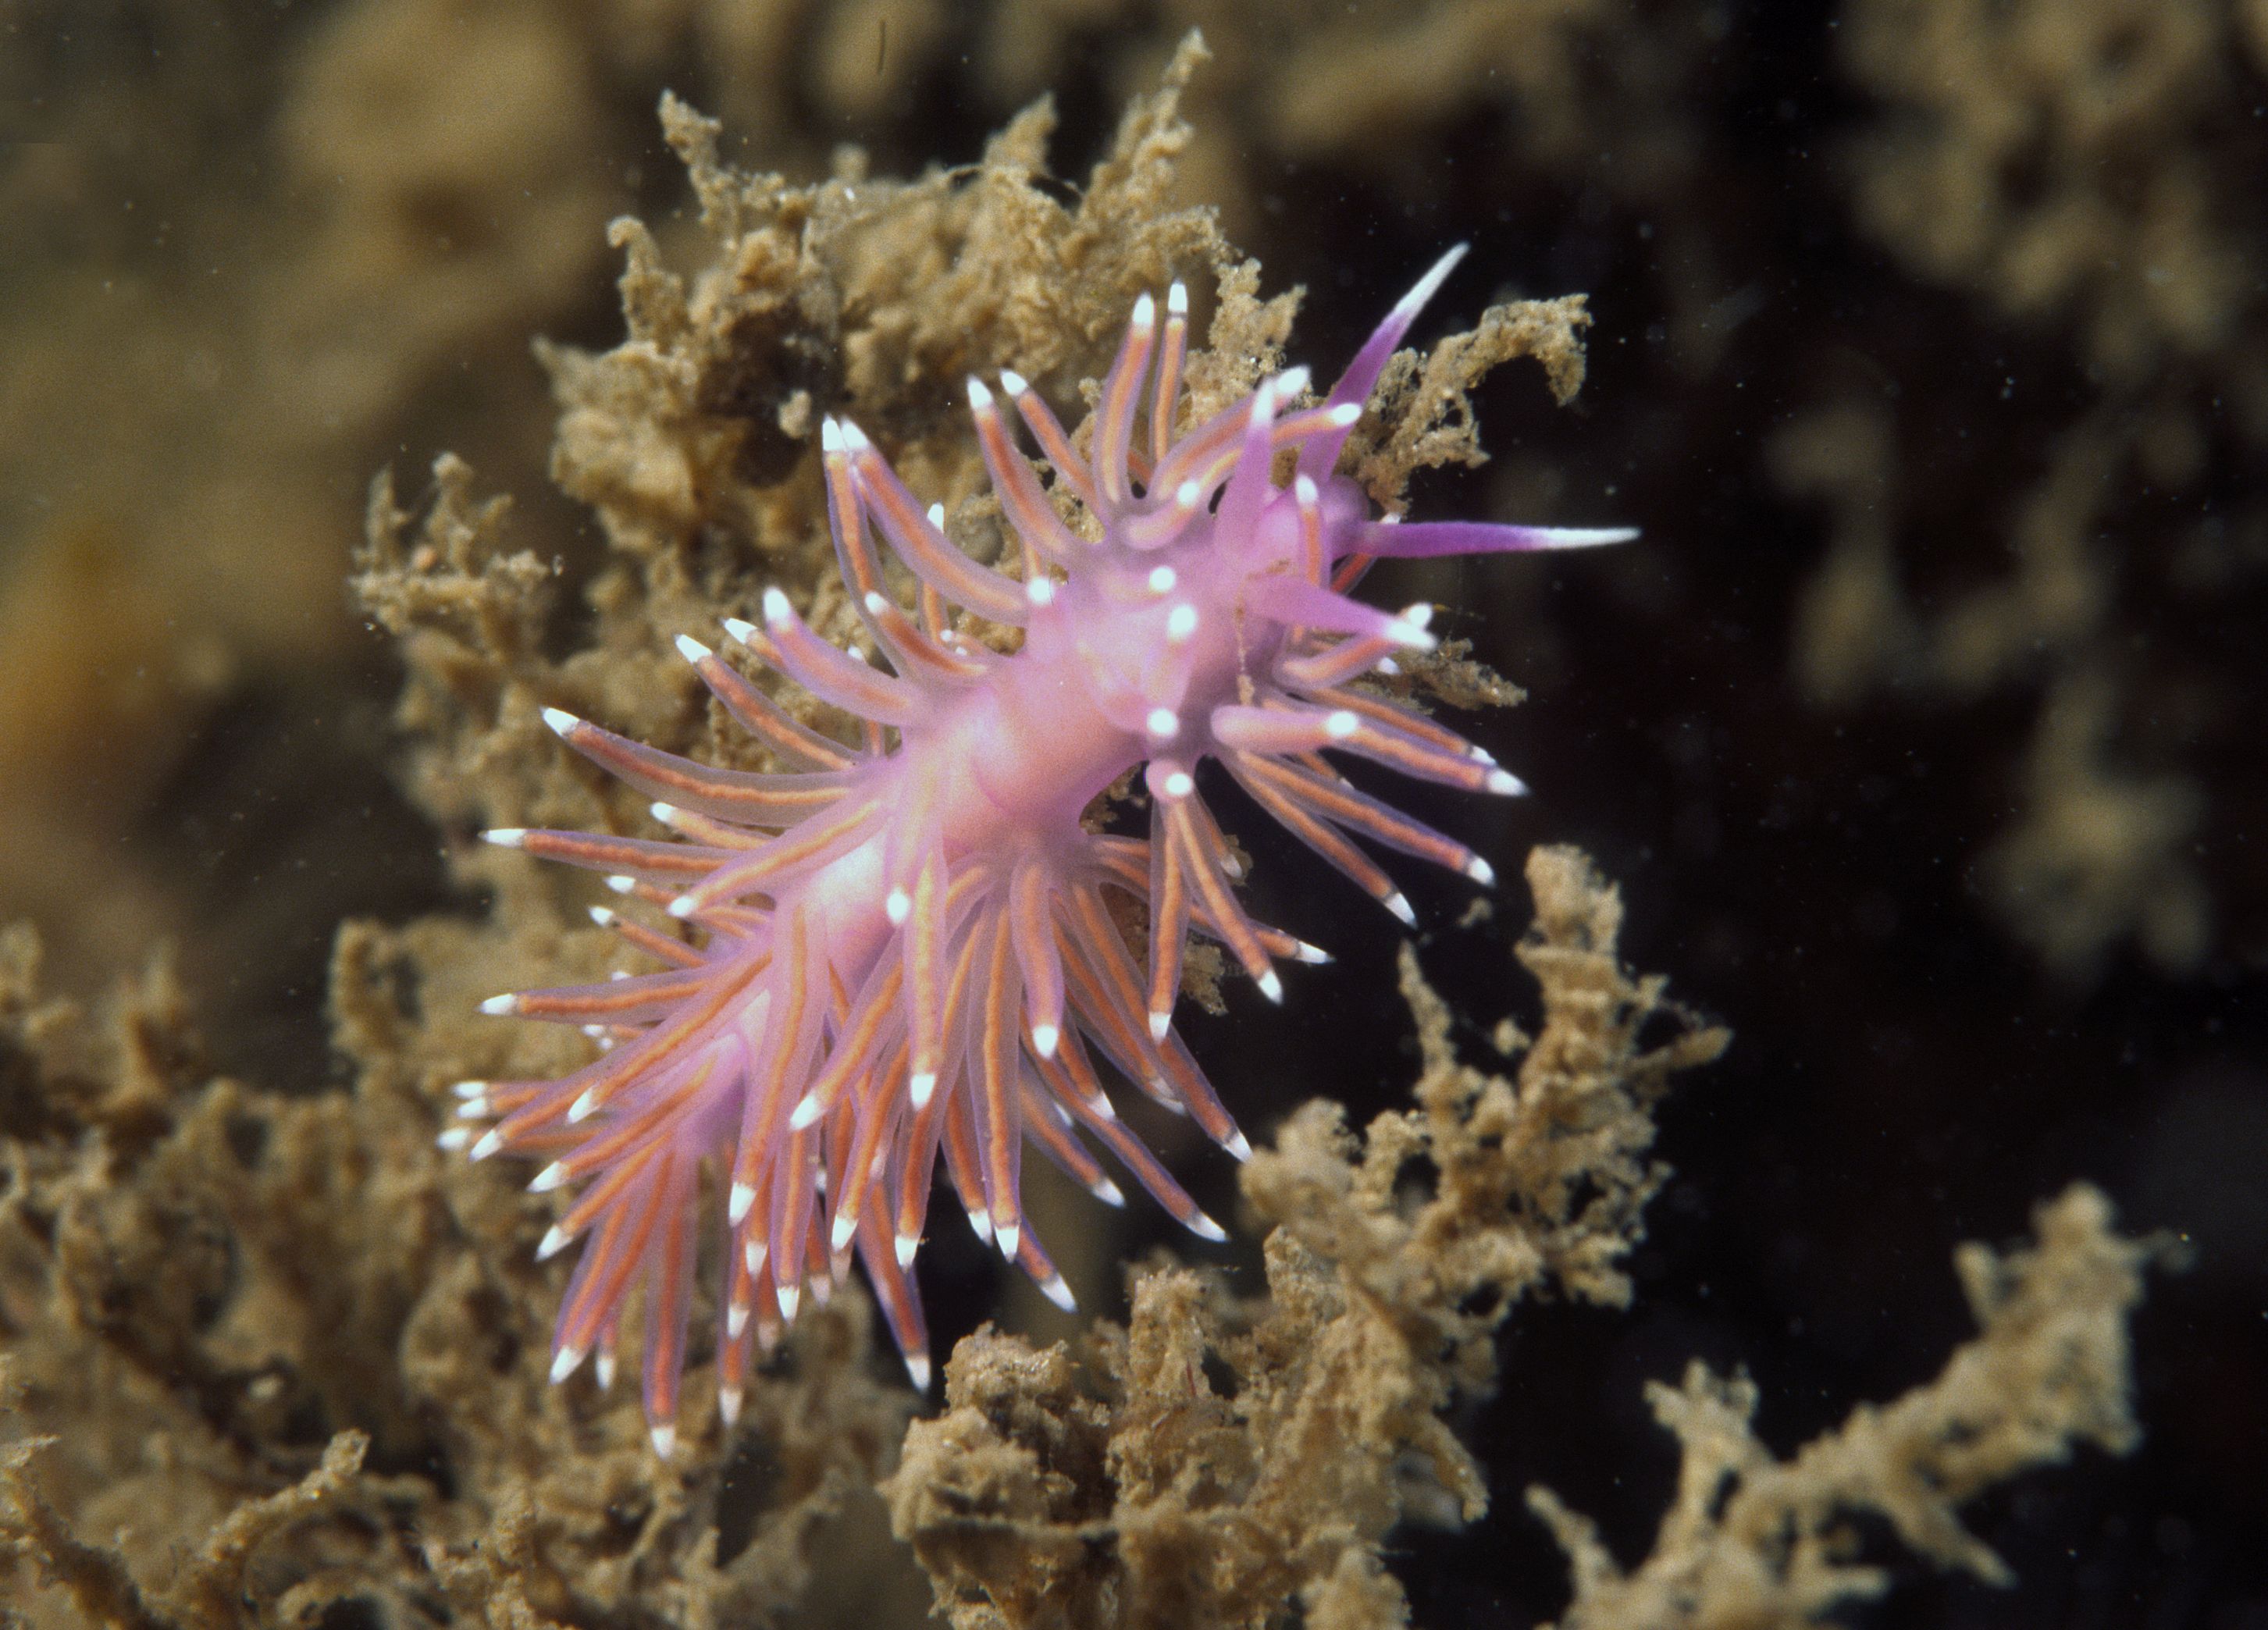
{"points": [[907, 952]]}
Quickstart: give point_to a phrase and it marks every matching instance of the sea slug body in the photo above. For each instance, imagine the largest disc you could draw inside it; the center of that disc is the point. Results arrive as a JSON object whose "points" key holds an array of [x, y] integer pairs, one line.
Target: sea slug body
{"points": [[909, 954]]}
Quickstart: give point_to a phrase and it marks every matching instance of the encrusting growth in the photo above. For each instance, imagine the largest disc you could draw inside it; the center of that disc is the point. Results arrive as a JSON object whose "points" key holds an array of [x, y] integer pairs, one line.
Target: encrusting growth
{"points": [[909, 953]]}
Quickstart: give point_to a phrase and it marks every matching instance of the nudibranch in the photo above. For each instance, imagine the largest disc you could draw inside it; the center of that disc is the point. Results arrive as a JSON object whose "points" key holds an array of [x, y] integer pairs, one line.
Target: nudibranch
{"points": [[907, 951]]}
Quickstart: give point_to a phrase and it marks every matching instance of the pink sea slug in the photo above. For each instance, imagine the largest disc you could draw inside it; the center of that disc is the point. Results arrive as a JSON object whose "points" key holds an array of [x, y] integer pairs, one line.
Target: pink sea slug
{"points": [[907, 948]]}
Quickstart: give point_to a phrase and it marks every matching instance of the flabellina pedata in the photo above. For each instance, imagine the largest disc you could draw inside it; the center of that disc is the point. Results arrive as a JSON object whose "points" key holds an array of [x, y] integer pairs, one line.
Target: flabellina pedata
{"points": [[910, 951]]}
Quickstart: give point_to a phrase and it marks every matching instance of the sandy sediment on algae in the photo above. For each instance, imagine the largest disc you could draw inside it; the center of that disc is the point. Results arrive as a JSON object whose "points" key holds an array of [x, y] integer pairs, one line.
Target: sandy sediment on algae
{"points": [[201, 1282], [1225, 1456], [270, 1358]]}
